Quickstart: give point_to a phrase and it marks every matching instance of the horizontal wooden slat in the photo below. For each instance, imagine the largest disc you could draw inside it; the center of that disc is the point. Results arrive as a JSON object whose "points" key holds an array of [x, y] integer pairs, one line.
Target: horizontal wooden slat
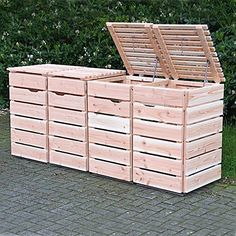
{"points": [[66, 85], [109, 90], [107, 122], [67, 131], [158, 130], [30, 110], [179, 26], [67, 116], [30, 96], [110, 138], [66, 145], [182, 32], [110, 154], [204, 112], [206, 94], [158, 113], [157, 163], [202, 162], [204, 128], [108, 106], [29, 152], [203, 145], [39, 126], [25, 80], [110, 169], [24, 137], [158, 96], [202, 178], [158, 147], [66, 101], [67, 160], [158, 180]]}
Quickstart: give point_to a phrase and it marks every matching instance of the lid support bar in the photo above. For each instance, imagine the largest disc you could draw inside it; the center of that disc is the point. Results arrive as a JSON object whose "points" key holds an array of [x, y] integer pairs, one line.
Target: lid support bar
{"points": [[205, 78], [155, 69], [207, 52]]}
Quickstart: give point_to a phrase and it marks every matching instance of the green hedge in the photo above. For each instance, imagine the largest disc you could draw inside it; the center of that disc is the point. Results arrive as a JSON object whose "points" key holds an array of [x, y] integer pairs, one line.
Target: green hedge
{"points": [[73, 32]]}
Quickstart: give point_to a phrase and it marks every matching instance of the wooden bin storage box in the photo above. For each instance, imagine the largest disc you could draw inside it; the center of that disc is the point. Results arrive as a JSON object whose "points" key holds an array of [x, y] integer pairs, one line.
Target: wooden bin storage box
{"points": [[177, 123], [28, 110], [67, 100]]}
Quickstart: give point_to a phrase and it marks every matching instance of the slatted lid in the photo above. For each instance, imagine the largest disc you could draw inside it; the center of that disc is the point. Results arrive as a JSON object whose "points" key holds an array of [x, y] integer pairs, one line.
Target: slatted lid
{"points": [[184, 51], [88, 73]]}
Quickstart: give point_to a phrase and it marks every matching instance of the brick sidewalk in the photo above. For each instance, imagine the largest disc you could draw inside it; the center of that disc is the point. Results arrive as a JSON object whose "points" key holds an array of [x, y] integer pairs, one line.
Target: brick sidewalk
{"points": [[41, 199]]}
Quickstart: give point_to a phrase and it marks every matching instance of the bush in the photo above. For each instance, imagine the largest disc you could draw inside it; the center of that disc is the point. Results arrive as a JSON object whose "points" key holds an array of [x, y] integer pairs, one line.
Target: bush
{"points": [[74, 32]]}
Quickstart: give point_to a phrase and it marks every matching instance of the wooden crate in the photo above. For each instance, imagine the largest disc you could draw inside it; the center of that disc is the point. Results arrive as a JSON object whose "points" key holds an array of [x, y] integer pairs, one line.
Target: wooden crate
{"points": [[68, 126], [177, 124], [28, 110]]}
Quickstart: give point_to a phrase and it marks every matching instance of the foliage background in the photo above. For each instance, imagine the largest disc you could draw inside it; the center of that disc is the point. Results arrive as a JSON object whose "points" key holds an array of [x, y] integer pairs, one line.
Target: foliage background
{"points": [[73, 32]]}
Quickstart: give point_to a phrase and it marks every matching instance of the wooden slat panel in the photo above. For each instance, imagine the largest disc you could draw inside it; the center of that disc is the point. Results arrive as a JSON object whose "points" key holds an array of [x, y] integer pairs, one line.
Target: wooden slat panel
{"points": [[30, 110], [107, 106], [158, 113], [30, 96], [159, 147], [202, 162], [27, 81], [110, 138], [71, 161], [157, 180], [204, 112], [110, 154], [203, 145], [39, 126], [66, 101], [67, 116], [157, 163], [110, 169], [67, 131], [66, 145], [28, 152], [204, 128], [110, 90], [24, 137], [158, 96], [202, 178], [107, 122], [205, 95], [66, 85], [158, 130]]}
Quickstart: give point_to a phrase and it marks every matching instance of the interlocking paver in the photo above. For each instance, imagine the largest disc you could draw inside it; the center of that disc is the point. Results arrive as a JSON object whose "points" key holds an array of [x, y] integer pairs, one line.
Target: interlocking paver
{"points": [[38, 199]]}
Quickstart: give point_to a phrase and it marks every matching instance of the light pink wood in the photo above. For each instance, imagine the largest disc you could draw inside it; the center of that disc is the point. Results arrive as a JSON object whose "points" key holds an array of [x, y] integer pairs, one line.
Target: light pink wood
{"points": [[67, 116], [110, 169], [110, 154], [202, 178], [66, 101], [27, 81], [27, 95], [158, 180], [66, 85], [157, 163], [202, 162], [67, 145], [24, 137], [110, 138], [68, 131], [158, 147], [107, 106], [158, 130], [29, 110], [158, 113], [29, 152], [71, 161], [39, 126]]}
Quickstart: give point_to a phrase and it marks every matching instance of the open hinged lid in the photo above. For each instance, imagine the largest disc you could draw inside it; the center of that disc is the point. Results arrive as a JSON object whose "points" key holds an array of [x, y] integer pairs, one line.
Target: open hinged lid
{"points": [[170, 51]]}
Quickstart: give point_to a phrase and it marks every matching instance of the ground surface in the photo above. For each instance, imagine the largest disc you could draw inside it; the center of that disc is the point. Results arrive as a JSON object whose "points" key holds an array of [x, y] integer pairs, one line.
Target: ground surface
{"points": [[42, 199]]}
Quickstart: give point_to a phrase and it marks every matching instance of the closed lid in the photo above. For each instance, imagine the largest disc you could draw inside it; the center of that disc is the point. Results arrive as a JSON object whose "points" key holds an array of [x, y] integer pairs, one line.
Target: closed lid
{"points": [[181, 51]]}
